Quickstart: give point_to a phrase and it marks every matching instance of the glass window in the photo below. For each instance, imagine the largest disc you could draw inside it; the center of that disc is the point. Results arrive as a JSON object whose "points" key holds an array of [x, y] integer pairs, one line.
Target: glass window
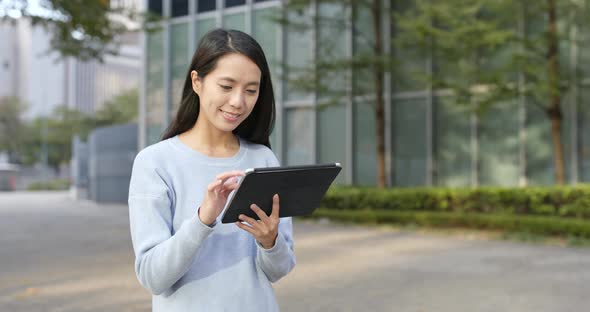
{"points": [[365, 149], [332, 47], [409, 142], [332, 137], [155, 85], [539, 148], [155, 7], [233, 3], [154, 66], [265, 32], [154, 128], [179, 8], [499, 145], [206, 6], [363, 78], [452, 143], [410, 71], [298, 128], [566, 133], [204, 26], [584, 133], [235, 21], [180, 61], [583, 61], [298, 57]]}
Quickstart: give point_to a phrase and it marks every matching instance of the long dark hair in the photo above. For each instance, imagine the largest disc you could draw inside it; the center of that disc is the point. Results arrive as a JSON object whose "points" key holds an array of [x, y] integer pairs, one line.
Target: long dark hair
{"points": [[215, 44]]}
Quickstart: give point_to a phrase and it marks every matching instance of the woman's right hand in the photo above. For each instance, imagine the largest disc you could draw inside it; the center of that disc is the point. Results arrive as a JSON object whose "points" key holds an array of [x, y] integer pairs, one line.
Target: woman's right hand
{"points": [[217, 194]]}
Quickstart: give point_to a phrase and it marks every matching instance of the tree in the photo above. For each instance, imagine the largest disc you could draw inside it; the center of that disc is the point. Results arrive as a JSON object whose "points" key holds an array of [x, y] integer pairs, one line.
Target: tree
{"points": [[546, 77], [11, 126], [470, 36], [327, 76], [81, 29], [53, 135], [122, 108], [464, 38]]}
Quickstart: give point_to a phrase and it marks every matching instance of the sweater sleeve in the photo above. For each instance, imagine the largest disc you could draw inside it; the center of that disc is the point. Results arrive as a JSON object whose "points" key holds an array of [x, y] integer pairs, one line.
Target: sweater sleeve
{"points": [[279, 260], [161, 258]]}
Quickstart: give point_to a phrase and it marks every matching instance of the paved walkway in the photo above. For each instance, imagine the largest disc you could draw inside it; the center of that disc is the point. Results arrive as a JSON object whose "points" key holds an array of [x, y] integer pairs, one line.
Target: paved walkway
{"points": [[57, 254]]}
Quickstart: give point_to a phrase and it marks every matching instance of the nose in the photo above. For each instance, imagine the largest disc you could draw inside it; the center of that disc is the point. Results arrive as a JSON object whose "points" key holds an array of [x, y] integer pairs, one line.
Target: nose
{"points": [[237, 99]]}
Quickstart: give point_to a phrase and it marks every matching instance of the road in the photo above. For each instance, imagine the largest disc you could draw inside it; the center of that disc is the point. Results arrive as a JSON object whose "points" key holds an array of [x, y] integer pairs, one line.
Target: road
{"points": [[57, 254]]}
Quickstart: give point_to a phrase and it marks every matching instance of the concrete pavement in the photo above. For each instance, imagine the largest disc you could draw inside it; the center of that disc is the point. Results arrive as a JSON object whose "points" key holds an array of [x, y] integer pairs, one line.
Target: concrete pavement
{"points": [[57, 254]]}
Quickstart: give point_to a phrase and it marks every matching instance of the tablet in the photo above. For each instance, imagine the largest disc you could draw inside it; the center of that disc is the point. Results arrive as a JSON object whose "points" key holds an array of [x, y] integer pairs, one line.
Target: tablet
{"points": [[300, 189]]}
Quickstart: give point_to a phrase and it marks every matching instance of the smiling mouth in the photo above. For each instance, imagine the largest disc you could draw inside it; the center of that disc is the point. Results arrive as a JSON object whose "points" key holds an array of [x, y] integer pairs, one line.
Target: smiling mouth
{"points": [[230, 115]]}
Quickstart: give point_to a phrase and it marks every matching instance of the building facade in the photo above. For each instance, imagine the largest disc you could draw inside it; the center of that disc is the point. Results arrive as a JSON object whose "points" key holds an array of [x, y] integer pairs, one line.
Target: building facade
{"points": [[429, 141], [43, 79]]}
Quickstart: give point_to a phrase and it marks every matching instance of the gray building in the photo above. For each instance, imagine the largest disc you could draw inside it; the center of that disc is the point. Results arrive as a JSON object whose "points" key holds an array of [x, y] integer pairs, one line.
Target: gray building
{"points": [[29, 71], [44, 80], [429, 141]]}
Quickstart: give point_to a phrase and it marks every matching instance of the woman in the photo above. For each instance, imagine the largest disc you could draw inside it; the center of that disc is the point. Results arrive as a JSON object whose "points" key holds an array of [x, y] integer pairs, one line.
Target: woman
{"points": [[185, 257]]}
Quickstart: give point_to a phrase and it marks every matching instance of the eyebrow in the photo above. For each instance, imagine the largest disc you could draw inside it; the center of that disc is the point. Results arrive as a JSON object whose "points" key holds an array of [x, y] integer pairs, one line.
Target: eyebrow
{"points": [[256, 83]]}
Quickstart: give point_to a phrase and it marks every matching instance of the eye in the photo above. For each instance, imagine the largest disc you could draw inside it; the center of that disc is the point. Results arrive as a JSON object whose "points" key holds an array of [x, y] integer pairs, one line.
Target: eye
{"points": [[252, 91], [225, 87]]}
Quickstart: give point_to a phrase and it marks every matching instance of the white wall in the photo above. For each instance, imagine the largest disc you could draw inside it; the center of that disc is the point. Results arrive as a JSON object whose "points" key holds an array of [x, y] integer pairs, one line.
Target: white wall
{"points": [[8, 59], [45, 76]]}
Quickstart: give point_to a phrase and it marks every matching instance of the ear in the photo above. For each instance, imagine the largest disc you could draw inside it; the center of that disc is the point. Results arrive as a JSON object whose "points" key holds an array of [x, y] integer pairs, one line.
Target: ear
{"points": [[197, 82]]}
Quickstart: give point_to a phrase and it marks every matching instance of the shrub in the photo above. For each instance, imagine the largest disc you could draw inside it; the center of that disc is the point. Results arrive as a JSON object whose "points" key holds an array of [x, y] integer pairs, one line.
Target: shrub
{"points": [[53, 185], [558, 201]]}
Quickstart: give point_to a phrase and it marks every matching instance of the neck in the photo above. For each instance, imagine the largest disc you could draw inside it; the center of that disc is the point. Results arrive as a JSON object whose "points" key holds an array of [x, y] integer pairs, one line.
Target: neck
{"points": [[207, 139]]}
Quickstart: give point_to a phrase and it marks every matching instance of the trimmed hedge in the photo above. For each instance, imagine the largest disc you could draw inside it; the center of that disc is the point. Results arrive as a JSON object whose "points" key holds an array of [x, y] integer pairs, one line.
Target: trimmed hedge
{"points": [[529, 224], [53, 185], [557, 201]]}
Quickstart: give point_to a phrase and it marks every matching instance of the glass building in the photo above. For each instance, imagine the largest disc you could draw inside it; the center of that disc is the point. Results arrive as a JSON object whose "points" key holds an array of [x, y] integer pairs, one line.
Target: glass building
{"points": [[429, 141]]}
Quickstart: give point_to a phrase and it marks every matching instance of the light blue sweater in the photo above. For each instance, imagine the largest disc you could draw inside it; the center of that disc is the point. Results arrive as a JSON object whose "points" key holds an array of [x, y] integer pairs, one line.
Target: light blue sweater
{"points": [[185, 264]]}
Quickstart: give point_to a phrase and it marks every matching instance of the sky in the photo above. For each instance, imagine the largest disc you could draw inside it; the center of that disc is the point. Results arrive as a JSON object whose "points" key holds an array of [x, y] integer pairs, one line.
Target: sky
{"points": [[12, 8]]}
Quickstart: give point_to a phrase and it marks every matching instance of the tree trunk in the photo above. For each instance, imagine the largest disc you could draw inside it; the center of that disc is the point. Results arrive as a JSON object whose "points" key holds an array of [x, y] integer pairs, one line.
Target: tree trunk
{"points": [[379, 100], [554, 110]]}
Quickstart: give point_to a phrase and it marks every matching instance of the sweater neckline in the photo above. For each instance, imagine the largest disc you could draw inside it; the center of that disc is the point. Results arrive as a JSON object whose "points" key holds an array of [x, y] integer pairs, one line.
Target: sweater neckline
{"points": [[208, 159]]}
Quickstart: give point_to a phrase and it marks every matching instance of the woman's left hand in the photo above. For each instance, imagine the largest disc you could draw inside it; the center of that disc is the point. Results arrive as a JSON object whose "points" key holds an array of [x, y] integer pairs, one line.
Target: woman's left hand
{"points": [[266, 229]]}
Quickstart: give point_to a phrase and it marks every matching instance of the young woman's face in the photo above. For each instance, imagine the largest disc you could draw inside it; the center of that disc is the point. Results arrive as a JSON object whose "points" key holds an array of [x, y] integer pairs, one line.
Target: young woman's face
{"points": [[228, 93]]}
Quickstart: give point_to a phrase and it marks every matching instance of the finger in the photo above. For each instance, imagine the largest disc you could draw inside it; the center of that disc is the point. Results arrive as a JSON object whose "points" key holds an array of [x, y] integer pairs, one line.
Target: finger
{"points": [[229, 188], [225, 175], [211, 187], [253, 223], [259, 212], [275, 206], [231, 180], [246, 228]]}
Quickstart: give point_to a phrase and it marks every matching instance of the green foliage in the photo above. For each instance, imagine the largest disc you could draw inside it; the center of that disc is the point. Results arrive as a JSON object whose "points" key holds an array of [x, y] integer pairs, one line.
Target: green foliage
{"points": [[11, 124], [481, 46], [121, 109], [331, 74], [559, 201], [53, 134], [53, 185], [328, 72], [84, 30], [467, 39]]}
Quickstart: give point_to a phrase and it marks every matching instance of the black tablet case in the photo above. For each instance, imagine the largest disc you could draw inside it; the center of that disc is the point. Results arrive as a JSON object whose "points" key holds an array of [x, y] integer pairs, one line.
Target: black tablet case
{"points": [[300, 189]]}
